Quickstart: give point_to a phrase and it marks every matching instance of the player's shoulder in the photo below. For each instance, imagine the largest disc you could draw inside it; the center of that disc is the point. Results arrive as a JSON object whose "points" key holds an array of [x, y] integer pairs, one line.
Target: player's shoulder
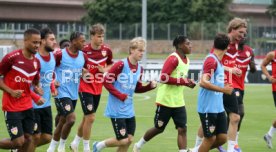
{"points": [[210, 59], [118, 65], [14, 54], [87, 48], [106, 47], [247, 48]]}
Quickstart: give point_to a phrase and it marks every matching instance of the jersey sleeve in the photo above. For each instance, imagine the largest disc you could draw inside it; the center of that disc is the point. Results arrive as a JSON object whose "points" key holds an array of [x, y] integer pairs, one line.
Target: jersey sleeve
{"points": [[109, 57], [6, 64], [58, 57], [169, 66], [111, 77], [85, 60], [35, 96], [140, 88], [209, 66], [37, 76]]}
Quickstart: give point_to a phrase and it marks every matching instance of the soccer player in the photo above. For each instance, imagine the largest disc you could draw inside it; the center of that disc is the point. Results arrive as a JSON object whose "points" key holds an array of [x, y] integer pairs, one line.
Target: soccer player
{"points": [[99, 62], [244, 59], [122, 80], [64, 43], [19, 70], [236, 32], [270, 58], [210, 102], [170, 99], [43, 113], [69, 64]]}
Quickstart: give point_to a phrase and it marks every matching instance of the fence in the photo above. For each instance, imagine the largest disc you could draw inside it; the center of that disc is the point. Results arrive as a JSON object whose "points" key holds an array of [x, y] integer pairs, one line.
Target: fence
{"points": [[261, 38]]}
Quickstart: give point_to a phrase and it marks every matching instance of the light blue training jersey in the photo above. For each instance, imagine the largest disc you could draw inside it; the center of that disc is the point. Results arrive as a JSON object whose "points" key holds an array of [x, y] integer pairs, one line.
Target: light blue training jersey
{"points": [[125, 83], [68, 74], [46, 77], [211, 101]]}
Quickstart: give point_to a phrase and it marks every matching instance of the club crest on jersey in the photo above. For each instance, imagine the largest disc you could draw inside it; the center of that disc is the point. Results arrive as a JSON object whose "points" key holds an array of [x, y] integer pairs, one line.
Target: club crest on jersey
{"points": [[90, 107], [123, 132], [160, 123], [212, 128], [247, 53], [237, 93], [14, 130], [67, 107], [35, 65], [35, 127], [104, 52]]}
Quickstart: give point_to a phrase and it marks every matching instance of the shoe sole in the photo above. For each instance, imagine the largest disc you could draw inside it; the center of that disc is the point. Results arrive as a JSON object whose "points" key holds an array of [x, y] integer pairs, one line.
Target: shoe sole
{"points": [[267, 144], [70, 147]]}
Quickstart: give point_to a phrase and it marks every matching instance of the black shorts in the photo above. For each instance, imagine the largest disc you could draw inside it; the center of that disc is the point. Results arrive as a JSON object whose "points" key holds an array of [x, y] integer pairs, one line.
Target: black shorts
{"points": [[213, 123], [65, 106], [19, 123], [274, 97], [89, 102], [74, 102], [123, 127], [239, 95], [43, 120], [163, 115], [230, 103]]}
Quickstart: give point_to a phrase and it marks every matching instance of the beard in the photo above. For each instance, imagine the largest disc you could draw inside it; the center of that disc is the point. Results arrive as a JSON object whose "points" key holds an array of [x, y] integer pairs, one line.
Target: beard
{"points": [[49, 49]]}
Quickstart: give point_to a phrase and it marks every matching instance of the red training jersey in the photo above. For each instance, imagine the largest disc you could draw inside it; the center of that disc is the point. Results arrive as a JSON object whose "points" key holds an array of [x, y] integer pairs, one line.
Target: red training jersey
{"points": [[229, 60], [102, 57], [242, 61], [273, 64], [19, 74]]}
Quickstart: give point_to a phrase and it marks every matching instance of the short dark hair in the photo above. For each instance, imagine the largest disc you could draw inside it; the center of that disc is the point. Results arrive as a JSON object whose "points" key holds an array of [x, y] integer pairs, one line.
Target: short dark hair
{"points": [[45, 32], [221, 41], [178, 40], [75, 35], [30, 32], [63, 41]]}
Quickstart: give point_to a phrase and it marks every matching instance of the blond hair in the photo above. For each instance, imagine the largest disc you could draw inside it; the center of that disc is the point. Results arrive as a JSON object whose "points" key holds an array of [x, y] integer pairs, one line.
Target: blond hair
{"points": [[236, 23], [137, 42], [97, 28]]}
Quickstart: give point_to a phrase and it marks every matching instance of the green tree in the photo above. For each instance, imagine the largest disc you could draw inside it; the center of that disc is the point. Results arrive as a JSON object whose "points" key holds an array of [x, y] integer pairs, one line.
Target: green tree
{"points": [[159, 11], [210, 10], [169, 11], [113, 11], [272, 8]]}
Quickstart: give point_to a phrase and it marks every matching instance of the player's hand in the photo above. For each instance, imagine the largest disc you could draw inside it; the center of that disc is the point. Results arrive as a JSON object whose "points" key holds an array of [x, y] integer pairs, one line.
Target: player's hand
{"points": [[54, 93], [153, 84], [38, 90], [272, 79], [57, 84], [236, 71], [101, 68], [191, 83], [227, 89], [16, 93], [123, 97], [41, 101]]}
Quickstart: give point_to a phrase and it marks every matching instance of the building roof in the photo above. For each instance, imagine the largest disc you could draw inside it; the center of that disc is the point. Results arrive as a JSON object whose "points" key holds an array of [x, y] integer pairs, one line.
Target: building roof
{"points": [[42, 10], [259, 2]]}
